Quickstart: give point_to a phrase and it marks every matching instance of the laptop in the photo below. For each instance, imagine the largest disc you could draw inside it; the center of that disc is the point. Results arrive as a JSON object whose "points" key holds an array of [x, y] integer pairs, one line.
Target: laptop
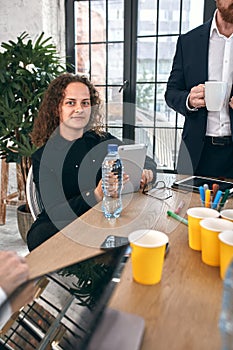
{"points": [[133, 158], [69, 311]]}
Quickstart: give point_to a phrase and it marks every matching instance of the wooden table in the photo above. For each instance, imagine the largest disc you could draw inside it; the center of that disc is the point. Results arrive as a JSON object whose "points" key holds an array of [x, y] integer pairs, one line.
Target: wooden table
{"points": [[182, 311]]}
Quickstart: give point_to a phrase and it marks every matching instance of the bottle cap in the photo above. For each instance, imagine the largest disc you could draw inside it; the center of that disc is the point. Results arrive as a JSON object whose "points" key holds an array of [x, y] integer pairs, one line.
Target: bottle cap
{"points": [[112, 147]]}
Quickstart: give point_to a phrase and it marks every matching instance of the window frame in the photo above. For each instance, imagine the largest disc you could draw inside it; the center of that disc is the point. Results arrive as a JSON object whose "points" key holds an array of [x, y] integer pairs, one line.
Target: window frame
{"points": [[129, 83]]}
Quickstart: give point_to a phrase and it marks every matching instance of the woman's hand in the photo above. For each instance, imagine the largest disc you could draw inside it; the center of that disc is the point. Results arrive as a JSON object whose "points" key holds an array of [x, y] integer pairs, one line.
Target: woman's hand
{"points": [[147, 177], [98, 192]]}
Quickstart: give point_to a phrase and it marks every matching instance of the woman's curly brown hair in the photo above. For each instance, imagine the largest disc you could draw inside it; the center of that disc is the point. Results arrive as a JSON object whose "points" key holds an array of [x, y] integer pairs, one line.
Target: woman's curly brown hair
{"points": [[48, 118]]}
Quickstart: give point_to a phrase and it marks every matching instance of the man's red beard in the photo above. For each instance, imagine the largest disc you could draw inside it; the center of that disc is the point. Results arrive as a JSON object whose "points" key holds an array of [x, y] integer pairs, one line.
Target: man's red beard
{"points": [[226, 14]]}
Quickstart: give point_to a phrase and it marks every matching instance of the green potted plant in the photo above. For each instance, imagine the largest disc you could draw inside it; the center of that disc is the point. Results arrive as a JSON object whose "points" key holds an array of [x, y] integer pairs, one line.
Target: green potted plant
{"points": [[26, 69]]}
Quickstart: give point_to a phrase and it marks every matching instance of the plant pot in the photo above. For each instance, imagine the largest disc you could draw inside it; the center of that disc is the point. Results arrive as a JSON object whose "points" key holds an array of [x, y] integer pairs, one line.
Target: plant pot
{"points": [[24, 220]]}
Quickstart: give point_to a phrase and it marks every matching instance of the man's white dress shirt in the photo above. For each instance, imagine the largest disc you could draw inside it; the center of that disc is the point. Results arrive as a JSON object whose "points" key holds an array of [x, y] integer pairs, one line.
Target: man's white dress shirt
{"points": [[5, 308], [220, 67]]}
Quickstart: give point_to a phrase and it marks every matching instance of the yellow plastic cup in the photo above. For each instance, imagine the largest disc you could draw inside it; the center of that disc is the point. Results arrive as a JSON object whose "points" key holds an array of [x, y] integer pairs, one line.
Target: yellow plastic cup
{"points": [[226, 250], [227, 214], [210, 229], [148, 250], [195, 215]]}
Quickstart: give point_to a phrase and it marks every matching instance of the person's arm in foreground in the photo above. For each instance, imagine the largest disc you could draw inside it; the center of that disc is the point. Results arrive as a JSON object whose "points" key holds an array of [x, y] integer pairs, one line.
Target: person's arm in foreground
{"points": [[13, 272]]}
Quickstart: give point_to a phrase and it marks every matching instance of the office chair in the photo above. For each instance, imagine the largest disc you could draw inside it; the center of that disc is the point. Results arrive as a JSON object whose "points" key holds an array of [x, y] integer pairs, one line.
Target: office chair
{"points": [[33, 197]]}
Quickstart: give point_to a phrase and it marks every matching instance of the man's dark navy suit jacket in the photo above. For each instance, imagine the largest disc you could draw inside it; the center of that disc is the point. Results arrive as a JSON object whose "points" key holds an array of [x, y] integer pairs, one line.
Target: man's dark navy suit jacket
{"points": [[190, 68]]}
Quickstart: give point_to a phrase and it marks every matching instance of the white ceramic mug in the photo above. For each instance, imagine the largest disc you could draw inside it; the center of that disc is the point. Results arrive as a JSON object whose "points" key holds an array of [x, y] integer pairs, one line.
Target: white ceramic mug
{"points": [[215, 93]]}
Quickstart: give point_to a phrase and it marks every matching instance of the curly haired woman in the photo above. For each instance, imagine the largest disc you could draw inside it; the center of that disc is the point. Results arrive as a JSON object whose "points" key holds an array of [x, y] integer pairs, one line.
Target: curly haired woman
{"points": [[73, 144]]}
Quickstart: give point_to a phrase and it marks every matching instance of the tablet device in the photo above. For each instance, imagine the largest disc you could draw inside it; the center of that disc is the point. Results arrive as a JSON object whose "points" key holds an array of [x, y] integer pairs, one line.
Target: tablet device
{"points": [[192, 183], [133, 158]]}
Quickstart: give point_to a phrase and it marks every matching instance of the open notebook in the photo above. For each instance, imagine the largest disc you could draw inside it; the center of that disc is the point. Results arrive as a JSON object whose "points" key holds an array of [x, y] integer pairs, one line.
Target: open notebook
{"points": [[69, 307]]}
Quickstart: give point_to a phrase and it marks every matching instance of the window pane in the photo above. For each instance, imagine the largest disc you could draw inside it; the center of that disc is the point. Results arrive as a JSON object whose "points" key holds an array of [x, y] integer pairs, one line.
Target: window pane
{"points": [[164, 143], [116, 20], [98, 21], [98, 63], [194, 13], [82, 21], [146, 59], [145, 135], [160, 102], [169, 17], [115, 106], [166, 51], [147, 16], [82, 59], [115, 66], [165, 147], [180, 120], [117, 132], [102, 92], [145, 103]]}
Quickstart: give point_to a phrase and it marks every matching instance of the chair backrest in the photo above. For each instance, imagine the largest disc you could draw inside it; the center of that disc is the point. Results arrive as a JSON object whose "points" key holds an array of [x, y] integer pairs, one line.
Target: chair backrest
{"points": [[33, 198]]}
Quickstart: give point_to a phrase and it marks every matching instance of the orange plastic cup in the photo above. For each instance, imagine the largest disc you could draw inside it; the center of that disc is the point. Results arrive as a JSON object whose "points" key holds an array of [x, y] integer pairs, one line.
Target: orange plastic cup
{"points": [[148, 250], [195, 215], [226, 251]]}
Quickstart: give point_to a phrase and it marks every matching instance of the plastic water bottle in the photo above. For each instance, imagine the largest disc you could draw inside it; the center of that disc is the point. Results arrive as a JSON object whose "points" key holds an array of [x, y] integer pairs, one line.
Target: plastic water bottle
{"points": [[112, 187], [226, 316]]}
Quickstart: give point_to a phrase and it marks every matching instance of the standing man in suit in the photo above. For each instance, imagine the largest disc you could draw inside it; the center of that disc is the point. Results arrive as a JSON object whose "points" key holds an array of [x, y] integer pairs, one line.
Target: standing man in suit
{"points": [[204, 53]]}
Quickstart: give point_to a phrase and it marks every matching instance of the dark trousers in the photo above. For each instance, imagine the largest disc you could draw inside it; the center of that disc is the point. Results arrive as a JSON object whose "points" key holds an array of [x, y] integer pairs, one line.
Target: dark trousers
{"points": [[41, 230], [217, 158], [40, 233]]}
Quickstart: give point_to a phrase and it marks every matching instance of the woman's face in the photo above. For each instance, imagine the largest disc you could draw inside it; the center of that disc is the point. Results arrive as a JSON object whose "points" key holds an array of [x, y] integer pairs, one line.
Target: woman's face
{"points": [[75, 110]]}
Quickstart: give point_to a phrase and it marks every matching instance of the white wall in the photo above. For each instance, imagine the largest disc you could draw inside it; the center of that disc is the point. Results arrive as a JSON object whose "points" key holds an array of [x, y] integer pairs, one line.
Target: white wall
{"points": [[33, 16]]}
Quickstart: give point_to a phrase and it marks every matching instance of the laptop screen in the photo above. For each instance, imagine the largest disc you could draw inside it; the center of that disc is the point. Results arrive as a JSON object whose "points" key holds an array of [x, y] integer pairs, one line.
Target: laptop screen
{"points": [[68, 305]]}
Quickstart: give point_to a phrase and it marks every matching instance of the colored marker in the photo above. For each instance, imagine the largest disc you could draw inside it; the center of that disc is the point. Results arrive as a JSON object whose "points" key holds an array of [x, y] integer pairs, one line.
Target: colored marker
{"points": [[216, 199], [224, 199], [177, 217], [180, 206], [202, 194], [215, 189], [207, 198]]}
